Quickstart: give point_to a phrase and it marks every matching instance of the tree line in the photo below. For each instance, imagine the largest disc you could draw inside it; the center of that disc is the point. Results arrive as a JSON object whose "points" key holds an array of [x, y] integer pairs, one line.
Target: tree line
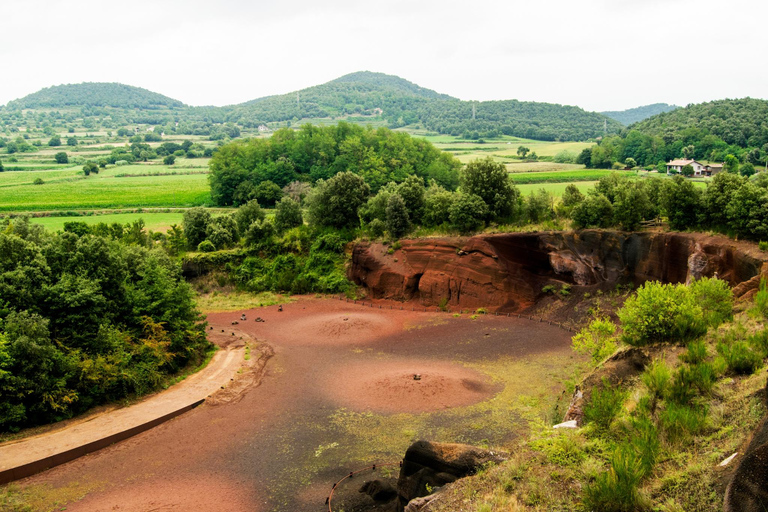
{"points": [[315, 153]]}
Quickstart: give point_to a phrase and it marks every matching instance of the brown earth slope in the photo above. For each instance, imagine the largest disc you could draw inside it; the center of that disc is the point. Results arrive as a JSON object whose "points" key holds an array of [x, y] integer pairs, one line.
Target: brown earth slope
{"points": [[508, 271]]}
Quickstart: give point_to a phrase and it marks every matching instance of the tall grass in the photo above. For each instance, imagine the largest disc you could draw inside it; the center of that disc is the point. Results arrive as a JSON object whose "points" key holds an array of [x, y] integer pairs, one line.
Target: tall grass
{"points": [[604, 406], [617, 489]]}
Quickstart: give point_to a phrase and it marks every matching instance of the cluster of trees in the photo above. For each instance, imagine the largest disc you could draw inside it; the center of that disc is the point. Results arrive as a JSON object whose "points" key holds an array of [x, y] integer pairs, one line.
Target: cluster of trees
{"points": [[85, 319], [730, 204], [279, 254], [313, 153]]}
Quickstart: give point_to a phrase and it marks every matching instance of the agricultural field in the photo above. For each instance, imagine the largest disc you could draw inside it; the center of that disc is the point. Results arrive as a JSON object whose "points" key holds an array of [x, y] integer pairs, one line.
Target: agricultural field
{"points": [[154, 220], [71, 190]]}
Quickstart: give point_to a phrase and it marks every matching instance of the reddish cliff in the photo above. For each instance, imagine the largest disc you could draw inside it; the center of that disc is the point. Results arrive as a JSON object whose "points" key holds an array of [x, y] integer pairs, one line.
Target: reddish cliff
{"points": [[508, 271]]}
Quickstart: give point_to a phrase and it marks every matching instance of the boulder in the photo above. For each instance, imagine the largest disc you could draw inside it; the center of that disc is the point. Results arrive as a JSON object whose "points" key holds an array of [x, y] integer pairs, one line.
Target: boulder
{"points": [[748, 489], [380, 491], [428, 466]]}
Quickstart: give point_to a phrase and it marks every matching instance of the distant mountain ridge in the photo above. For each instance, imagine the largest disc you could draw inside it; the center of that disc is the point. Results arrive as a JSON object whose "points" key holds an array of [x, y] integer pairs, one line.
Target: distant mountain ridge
{"points": [[363, 95], [95, 94], [634, 115]]}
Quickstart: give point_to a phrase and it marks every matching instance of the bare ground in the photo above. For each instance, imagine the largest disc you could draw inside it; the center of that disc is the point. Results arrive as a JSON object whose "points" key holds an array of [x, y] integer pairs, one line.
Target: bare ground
{"points": [[338, 394]]}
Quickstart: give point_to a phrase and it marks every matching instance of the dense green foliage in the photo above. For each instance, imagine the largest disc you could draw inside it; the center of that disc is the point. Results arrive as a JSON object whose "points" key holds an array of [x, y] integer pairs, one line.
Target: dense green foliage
{"points": [[675, 312], [711, 131], [525, 119], [741, 122], [313, 153], [634, 115], [86, 318]]}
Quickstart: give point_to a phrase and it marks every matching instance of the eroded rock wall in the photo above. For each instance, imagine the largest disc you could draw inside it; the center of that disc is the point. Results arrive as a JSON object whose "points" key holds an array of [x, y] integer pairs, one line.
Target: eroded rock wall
{"points": [[508, 271]]}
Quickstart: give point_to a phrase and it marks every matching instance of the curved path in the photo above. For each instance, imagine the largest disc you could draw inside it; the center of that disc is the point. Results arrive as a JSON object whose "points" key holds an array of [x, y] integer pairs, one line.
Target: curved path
{"points": [[338, 394], [30, 455]]}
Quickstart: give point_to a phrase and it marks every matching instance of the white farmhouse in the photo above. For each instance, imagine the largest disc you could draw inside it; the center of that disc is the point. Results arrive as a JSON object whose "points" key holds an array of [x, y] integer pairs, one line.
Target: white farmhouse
{"points": [[676, 166]]}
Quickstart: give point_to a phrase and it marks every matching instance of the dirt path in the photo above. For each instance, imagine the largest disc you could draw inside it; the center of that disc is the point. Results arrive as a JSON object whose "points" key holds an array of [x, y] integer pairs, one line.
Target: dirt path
{"points": [[338, 394], [85, 435]]}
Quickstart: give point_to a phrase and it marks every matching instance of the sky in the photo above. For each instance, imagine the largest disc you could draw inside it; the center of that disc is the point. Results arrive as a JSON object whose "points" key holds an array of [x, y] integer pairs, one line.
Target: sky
{"points": [[596, 54]]}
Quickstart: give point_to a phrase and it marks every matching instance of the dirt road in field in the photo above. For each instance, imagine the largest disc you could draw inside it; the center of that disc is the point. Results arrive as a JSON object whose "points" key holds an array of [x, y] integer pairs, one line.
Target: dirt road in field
{"points": [[338, 393]]}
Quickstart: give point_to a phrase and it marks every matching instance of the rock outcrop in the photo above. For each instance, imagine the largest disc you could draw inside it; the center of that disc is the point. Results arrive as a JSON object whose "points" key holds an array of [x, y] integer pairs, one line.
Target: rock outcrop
{"points": [[508, 271], [748, 490], [619, 368], [428, 466]]}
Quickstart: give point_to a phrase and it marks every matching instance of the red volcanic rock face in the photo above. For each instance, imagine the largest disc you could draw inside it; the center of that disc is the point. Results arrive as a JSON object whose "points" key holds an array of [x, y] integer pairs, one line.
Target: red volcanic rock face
{"points": [[508, 271]]}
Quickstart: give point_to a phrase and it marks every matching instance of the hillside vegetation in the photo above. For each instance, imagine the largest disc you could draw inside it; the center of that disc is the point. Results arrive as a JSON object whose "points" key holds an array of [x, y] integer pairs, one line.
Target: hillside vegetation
{"points": [[650, 440], [87, 318], [731, 131], [741, 122], [95, 94], [634, 115]]}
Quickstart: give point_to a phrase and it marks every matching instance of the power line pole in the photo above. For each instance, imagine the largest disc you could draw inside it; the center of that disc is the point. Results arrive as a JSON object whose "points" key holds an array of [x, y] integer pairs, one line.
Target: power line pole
{"points": [[473, 111]]}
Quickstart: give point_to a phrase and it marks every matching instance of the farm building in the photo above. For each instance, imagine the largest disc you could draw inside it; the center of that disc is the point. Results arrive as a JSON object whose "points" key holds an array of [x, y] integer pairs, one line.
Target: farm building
{"points": [[676, 166]]}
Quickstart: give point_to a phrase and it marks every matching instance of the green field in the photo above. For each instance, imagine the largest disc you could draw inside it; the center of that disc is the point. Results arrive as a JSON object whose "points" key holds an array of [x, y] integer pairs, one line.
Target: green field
{"points": [[563, 176], [555, 189], [104, 191], [155, 221]]}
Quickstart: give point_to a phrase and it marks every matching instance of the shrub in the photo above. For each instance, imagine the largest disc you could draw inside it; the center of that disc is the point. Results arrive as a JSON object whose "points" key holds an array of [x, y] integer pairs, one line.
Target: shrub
{"points": [[761, 298], [759, 342], [690, 381], [679, 421], [597, 339], [657, 379], [467, 213], [616, 490], [763, 246], [696, 353], [169, 160], [206, 246], [38, 181], [644, 441], [715, 298], [61, 158], [661, 313], [377, 228], [739, 357], [594, 211], [398, 222], [604, 405], [247, 214], [260, 235], [288, 215]]}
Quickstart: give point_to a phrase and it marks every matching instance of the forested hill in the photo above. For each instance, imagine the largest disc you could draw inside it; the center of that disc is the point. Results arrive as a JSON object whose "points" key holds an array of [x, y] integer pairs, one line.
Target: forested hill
{"points": [[634, 115], [93, 94], [741, 122], [403, 103], [528, 119], [360, 93], [359, 97]]}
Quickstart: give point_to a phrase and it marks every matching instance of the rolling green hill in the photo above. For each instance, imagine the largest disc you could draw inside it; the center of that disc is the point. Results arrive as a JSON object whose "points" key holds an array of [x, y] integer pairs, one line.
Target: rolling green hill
{"points": [[363, 96], [637, 114], [741, 122], [94, 94], [402, 103]]}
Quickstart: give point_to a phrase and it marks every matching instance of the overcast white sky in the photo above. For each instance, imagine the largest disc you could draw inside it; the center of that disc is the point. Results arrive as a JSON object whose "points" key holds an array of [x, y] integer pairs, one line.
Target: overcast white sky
{"points": [[597, 54]]}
